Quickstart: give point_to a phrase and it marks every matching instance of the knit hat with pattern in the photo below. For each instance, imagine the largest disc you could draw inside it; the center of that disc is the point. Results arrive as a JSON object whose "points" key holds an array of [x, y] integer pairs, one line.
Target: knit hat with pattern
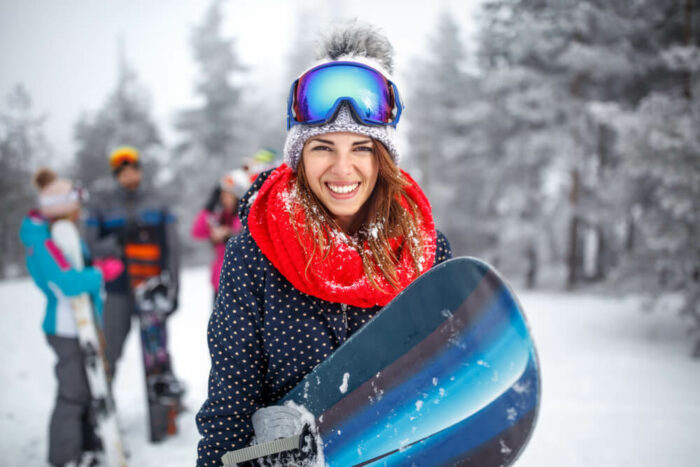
{"points": [[355, 43]]}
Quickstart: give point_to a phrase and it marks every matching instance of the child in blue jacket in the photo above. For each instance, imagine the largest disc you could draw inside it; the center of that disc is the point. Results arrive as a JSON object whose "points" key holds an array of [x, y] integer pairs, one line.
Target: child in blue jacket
{"points": [[71, 432]]}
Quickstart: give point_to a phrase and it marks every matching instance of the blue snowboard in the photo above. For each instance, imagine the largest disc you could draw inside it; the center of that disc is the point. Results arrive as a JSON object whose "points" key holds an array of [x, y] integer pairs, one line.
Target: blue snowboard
{"points": [[446, 374]]}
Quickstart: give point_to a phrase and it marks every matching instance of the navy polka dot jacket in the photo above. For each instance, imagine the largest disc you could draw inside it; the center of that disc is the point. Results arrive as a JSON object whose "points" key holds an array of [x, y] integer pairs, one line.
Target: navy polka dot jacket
{"points": [[264, 337]]}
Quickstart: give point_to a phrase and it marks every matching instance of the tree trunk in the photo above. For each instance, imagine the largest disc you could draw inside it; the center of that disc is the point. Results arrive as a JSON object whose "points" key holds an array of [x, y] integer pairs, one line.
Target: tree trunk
{"points": [[630, 234], [688, 36], [532, 266], [573, 259], [602, 261], [573, 256], [4, 250]]}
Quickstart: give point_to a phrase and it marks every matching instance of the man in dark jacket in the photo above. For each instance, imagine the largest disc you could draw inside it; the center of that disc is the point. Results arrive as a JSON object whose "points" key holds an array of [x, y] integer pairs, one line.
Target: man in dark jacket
{"points": [[133, 223]]}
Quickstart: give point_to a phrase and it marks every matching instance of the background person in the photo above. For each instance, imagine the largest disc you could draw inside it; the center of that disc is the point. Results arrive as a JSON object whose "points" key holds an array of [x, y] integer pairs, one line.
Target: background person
{"points": [[264, 159], [131, 222], [72, 437], [218, 220]]}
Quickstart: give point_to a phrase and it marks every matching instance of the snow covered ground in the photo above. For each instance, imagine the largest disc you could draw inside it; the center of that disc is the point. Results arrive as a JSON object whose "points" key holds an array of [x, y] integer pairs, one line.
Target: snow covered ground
{"points": [[618, 386]]}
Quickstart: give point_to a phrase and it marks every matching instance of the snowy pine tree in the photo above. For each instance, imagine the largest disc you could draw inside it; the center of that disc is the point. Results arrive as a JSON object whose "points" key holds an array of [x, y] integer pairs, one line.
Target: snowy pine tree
{"points": [[593, 117], [124, 119], [531, 145], [212, 131], [658, 143], [301, 54], [22, 148], [445, 154], [543, 64], [216, 134]]}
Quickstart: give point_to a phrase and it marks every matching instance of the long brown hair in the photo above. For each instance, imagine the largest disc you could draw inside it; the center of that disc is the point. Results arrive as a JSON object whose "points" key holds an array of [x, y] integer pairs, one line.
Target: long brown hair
{"points": [[380, 218]]}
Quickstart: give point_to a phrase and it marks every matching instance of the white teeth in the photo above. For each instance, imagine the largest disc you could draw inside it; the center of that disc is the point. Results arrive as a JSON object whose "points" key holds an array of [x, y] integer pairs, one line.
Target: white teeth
{"points": [[342, 189]]}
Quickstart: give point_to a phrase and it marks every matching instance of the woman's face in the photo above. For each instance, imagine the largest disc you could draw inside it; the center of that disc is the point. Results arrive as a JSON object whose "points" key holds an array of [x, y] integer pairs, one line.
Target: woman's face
{"points": [[228, 200], [341, 169]]}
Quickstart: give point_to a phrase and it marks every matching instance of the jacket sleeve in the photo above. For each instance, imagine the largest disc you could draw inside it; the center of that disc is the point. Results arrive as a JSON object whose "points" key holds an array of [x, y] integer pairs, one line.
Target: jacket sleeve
{"points": [[238, 364], [100, 246], [58, 270], [172, 261], [443, 250], [200, 227], [96, 295]]}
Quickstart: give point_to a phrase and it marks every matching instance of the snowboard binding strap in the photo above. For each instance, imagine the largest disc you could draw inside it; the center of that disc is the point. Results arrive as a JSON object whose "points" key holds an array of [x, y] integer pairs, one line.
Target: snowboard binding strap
{"points": [[233, 458]]}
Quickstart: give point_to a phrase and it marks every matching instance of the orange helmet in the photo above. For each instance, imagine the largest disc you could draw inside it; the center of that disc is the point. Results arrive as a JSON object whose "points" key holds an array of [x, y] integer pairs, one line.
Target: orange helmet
{"points": [[123, 155]]}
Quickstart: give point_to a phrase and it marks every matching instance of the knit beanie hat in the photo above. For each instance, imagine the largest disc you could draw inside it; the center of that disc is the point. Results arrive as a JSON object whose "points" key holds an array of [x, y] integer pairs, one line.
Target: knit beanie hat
{"points": [[57, 196], [354, 43], [264, 156], [236, 182], [261, 161]]}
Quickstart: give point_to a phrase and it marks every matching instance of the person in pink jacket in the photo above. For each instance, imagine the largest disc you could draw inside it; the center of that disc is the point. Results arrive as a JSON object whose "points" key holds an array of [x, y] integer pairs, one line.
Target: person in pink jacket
{"points": [[218, 220]]}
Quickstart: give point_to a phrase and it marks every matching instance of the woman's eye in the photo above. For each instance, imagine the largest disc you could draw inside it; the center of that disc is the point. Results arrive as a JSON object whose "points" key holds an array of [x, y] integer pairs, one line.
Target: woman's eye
{"points": [[320, 148], [364, 148]]}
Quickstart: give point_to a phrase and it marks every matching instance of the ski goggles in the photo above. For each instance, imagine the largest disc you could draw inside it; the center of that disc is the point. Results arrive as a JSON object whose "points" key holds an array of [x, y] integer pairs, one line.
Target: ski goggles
{"points": [[76, 195], [316, 96]]}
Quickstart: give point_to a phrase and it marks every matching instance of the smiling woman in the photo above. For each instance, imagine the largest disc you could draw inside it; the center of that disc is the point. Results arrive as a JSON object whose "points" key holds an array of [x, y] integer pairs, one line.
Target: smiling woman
{"points": [[329, 237]]}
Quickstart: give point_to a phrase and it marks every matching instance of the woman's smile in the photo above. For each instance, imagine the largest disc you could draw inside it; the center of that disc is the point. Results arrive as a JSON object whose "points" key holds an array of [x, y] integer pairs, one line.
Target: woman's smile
{"points": [[343, 190]]}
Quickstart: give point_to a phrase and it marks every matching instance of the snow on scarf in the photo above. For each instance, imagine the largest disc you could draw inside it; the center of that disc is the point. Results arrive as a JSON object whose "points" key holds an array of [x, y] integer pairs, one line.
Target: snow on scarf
{"points": [[339, 276]]}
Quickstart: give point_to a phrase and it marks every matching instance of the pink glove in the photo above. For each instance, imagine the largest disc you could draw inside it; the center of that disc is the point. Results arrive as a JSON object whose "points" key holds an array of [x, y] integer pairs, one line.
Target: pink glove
{"points": [[111, 268]]}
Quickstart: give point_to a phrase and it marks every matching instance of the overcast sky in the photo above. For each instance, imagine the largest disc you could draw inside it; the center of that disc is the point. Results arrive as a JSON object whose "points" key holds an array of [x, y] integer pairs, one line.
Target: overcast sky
{"points": [[65, 51]]}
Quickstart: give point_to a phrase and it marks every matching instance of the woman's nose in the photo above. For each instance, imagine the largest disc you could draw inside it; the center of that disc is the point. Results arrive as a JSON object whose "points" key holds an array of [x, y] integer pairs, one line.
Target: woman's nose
{"points": [[343, 163]]}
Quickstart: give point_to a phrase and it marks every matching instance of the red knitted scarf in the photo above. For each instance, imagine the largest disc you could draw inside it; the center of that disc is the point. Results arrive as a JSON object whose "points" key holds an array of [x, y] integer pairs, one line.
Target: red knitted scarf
{"points": [[339, 276]]}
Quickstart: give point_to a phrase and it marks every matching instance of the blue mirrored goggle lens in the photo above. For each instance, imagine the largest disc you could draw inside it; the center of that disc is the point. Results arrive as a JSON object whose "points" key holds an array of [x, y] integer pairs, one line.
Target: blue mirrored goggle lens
{"points": [[319, 91]]}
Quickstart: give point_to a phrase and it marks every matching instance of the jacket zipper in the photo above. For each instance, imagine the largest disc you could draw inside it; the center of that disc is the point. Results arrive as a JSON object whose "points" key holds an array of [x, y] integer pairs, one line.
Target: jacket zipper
{"points": [[344, 307]]}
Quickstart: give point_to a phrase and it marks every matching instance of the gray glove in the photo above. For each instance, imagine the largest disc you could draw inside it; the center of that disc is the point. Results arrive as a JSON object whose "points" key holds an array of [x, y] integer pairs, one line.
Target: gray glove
{"points": [[295, 442], [276, 421]]}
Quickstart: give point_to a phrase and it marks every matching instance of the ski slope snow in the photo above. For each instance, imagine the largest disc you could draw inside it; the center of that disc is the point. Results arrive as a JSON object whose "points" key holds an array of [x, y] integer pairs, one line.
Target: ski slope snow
{"points": [[619, 387]]}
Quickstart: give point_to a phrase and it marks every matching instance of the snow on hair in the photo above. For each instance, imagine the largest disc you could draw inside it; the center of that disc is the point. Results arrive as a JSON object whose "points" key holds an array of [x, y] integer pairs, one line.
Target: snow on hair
{"points": [[361, 40]]}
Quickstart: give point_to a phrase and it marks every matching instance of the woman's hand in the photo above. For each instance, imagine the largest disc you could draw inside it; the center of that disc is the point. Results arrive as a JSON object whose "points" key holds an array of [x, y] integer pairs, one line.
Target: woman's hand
{"points": [[220, 233]]}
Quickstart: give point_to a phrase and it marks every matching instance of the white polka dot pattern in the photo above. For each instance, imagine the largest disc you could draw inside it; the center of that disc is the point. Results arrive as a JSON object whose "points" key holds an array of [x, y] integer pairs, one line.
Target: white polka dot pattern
{"points": [[264, 336]]}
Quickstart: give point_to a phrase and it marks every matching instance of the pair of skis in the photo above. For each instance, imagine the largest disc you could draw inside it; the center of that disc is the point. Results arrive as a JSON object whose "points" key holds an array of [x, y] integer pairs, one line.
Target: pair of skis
{"points": [[65, 234]]}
